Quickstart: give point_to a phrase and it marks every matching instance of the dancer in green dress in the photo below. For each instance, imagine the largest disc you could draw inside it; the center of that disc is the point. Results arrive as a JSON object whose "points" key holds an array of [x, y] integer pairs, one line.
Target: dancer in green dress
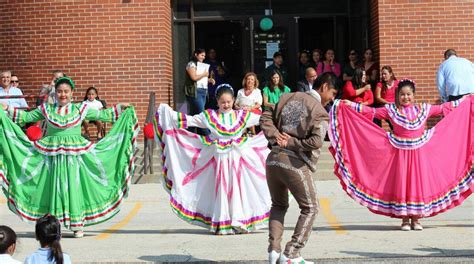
{"points": [[64, 174]]}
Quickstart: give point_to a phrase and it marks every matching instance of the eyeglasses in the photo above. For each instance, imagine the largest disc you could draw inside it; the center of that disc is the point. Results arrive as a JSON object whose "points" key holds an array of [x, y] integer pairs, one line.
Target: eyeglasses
{"points": [[15, 81]]}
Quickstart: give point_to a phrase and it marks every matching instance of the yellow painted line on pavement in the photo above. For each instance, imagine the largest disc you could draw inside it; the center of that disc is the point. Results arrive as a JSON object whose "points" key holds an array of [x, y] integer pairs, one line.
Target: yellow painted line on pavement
{"points": [[330, 217], [120, 224]]}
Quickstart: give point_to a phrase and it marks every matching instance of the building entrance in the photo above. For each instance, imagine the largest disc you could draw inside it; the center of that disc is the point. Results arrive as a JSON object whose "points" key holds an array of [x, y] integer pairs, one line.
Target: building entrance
{"points": [[225, 37], [233, 28]]}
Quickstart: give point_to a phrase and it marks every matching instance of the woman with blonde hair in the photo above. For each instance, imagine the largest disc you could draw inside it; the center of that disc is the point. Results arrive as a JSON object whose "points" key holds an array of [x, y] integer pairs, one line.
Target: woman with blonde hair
{"points": [[249, 97]]}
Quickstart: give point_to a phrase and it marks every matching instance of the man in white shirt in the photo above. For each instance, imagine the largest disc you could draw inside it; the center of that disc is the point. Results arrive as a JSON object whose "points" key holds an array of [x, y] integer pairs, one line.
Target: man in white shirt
{"points": [[8, 90], [455, 77]]}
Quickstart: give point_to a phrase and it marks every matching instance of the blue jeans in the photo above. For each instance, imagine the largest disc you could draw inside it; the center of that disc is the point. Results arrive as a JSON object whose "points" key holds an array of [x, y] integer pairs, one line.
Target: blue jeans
{"points": [[196, 106]]}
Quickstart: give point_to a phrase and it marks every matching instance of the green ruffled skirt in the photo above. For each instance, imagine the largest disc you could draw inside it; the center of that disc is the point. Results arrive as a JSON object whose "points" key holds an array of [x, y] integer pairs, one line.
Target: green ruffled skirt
{"points": [[81, 186]]}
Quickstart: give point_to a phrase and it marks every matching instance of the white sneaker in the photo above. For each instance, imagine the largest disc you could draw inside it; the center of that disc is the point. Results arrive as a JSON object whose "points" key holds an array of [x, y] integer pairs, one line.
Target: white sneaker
{"points": [[78, 234], [285, 260], [273, 257]]}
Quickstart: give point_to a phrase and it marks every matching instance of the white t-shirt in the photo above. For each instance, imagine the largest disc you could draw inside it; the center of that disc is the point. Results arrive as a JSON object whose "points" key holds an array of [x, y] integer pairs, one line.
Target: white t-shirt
{"points": [[7, 259], [253, 98], [96, 104]]}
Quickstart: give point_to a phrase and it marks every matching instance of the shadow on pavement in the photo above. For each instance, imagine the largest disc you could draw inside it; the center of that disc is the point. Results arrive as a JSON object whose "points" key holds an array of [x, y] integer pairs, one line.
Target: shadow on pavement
{"points": [[448, 252], [435, 252], [171, 258], [357, 227], [152, 232]]}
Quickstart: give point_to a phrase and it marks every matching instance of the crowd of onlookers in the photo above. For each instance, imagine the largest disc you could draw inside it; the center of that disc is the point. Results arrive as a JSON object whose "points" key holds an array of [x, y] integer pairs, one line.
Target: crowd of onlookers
{"points": [[10, 90], [362, 79], [263, 91], [48, 234]]}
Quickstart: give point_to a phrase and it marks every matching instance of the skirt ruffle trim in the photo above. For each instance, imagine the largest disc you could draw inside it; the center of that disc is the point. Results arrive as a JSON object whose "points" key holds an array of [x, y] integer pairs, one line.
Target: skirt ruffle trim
{"points": [[221, 227], [450, 199], [91, 216], [398, 209]]}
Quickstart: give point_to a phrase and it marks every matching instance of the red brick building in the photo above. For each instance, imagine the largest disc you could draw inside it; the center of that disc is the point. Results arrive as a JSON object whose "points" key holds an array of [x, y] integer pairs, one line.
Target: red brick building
{"points": [[128, 48]]}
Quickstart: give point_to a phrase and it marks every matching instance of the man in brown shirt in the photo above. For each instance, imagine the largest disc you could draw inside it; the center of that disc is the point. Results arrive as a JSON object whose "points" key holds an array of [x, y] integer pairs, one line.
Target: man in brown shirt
{"points": [[295, 130]]}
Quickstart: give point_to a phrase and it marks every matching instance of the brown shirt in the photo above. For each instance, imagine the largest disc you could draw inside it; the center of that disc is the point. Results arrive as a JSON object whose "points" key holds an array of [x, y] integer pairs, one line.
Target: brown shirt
{"points": [[302, 116]]}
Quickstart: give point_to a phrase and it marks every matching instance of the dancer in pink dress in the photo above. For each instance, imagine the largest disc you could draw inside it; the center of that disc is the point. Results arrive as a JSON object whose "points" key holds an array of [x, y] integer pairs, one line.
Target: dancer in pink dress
{"points": [[409, 172]]}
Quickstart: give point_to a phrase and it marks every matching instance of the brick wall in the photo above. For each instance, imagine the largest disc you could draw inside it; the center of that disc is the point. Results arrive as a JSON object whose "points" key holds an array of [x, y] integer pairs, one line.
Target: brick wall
{"points": [[122, 47], [414, 34], [374, 27]]}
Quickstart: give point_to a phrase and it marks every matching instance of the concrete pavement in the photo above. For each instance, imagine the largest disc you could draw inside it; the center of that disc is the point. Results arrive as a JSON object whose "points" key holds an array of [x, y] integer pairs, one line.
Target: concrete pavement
{"points": [[147, 231]]}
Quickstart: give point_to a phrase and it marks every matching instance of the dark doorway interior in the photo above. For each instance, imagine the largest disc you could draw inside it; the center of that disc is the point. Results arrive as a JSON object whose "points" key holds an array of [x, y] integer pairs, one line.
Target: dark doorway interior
{"points": [[316, 33], [226, 38]]}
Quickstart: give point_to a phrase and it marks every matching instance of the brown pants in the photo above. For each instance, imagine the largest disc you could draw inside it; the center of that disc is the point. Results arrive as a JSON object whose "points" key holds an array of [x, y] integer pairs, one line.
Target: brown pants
{"points": [[290, 173]]}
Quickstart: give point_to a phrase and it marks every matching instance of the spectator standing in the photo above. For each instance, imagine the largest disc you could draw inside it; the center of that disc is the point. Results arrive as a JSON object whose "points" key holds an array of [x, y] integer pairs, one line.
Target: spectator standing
{"points": [[218, 72], [303, 64], [316, 56], [195, 91], [455, 77], [371, 68], [277, 66], [349, 68], [329, 65], [48, 91]]}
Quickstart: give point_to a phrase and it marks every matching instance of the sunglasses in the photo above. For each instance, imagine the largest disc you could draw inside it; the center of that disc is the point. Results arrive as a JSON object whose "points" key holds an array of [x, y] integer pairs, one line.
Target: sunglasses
{"points": [[352, 53], [15, 81]]}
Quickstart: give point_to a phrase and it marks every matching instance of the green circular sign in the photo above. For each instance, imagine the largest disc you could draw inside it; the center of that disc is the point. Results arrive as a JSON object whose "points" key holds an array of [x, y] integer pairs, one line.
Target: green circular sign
{"points": [[266, 23]]}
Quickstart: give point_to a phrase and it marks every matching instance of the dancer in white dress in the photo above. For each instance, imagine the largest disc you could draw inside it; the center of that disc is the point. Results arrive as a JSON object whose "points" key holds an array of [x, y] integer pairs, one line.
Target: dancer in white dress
{"points": [[216, 181]]}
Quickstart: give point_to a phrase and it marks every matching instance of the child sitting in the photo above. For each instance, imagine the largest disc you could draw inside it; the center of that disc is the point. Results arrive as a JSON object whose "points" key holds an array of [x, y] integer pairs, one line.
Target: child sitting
{"points": [[92, 100]]}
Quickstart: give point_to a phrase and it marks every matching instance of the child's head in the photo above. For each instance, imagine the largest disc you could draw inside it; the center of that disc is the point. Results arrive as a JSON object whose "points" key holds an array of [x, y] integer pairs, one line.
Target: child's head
{"points": [[48, 233], [91, 94], [405, 94], [7, 240], [225, 97]]}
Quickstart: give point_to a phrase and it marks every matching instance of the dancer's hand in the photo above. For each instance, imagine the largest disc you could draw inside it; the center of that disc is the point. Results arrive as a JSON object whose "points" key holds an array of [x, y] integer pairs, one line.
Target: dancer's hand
{"points": [[4, 106], [125, 105], [282, 139], [347, 102]]}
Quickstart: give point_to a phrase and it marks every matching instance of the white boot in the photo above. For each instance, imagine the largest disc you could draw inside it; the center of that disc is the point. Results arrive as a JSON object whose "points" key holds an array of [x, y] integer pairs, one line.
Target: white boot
{"points": [[273, 257], [285, 260]]}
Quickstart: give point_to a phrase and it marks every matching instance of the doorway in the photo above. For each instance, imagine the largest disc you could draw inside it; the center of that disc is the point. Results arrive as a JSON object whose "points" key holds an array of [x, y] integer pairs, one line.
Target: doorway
{"points": [[226, 38], [316, 33]]}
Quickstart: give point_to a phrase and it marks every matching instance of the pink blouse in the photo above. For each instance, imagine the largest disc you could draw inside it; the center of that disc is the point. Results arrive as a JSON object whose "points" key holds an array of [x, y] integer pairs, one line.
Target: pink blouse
{"points": [[408, 121], [326, 67]]}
